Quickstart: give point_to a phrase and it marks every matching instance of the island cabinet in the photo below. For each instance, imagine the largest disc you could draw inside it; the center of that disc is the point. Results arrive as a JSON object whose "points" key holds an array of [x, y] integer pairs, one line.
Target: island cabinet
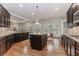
{"points": [[38, 42]]}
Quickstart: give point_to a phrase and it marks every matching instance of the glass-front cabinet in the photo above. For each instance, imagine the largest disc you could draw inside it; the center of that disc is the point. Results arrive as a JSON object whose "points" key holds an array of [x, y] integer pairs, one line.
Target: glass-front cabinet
{"points": [[4, 17]]}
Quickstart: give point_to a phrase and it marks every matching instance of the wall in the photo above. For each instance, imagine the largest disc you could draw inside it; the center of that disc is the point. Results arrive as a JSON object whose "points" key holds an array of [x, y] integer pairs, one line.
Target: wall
{"points": [[23, 26]]}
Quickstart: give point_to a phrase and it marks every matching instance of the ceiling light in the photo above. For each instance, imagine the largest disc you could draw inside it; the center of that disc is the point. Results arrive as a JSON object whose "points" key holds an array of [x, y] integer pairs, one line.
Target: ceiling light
{"points": [[37, 23], [32, 13], [20, 5], [56, 9]]}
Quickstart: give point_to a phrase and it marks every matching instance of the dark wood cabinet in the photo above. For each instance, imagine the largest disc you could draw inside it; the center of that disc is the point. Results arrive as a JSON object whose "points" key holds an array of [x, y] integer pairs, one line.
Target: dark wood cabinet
{"points": [[77, 49], [38, 42], [4, 17], [70, 14], [14, 38], [2, 45], [7, 41], [21, 36], [70, 45]]}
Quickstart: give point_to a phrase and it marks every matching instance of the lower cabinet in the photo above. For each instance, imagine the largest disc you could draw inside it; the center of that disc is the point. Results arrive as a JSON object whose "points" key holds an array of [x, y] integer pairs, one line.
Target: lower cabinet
{"points": [[7, 41], [70, 45], [21, 36], [77, 49], [2, 46]]}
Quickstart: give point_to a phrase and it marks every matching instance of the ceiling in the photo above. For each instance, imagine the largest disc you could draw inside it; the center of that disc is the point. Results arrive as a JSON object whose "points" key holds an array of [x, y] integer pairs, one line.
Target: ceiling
{"points": [[45, 10]]}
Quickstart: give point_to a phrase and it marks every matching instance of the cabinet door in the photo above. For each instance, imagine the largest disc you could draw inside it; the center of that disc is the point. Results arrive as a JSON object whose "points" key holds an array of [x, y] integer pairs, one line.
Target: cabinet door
{"points": [[7, 44], [72, 50], [4, 17], [11, 41], [8, 20], [70, 14], [0, 15], [69, 18], [2, 46]]}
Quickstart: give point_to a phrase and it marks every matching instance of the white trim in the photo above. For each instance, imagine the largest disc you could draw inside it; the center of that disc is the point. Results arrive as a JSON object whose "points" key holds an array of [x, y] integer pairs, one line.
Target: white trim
{"points": [[13, 14]]}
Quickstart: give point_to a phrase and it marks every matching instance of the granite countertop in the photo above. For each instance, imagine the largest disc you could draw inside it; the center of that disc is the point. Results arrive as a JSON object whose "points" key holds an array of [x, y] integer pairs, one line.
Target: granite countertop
{"points": [[7, 33], [37, 33], [74, 37]]}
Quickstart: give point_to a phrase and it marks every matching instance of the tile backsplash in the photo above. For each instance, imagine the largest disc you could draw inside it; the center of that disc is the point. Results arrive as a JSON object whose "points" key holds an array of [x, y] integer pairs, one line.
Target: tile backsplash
{"points": [[73, 31], [5, 31]]}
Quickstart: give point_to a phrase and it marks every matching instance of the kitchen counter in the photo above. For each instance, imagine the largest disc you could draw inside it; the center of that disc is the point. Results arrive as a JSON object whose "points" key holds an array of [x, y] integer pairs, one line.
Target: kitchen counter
{"points": [[7, 33], [10, 38], [74, 37], [11, 32], [70, 44]]}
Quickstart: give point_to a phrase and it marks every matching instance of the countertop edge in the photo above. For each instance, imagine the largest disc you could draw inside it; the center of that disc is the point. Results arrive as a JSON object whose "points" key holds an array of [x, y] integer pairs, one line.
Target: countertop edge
{"points": [[72, 37]]}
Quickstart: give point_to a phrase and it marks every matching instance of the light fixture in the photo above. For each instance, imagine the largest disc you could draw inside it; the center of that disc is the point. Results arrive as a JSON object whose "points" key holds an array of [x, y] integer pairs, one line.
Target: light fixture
{"points": [[56, 9], [37, 23], [32, 13], [20, 5]]}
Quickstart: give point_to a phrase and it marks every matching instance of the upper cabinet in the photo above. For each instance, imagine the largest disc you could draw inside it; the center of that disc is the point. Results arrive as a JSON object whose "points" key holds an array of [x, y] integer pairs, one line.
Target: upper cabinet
{"points": [[4, 17], [71, 14]]}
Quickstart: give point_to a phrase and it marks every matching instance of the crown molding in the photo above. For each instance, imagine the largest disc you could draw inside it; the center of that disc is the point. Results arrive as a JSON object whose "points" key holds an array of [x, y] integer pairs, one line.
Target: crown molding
{"points": [[15, 15]]}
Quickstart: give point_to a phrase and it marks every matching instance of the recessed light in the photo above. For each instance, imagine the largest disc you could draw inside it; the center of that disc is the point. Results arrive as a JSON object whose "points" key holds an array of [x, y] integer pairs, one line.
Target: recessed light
{"points": [[20, 5], [32, 13], [56, 9]]}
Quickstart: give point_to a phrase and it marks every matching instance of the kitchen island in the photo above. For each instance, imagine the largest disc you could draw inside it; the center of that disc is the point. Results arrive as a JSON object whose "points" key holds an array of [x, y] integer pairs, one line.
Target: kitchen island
{"points": [[38, 41]]}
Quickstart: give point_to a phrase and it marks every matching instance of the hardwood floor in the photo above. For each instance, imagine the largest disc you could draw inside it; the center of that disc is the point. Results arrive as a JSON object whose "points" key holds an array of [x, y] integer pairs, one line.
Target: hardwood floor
{"points": [[53, 48]]}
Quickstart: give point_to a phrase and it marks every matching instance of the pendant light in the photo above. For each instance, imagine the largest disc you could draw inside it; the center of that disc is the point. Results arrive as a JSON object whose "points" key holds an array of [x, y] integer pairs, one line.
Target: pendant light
{"points": [[37, 23]]}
